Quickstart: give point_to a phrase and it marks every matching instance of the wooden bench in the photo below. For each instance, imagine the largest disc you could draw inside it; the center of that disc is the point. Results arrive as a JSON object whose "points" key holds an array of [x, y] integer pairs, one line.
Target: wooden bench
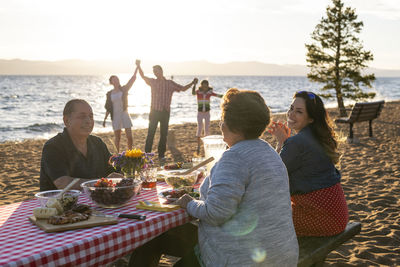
{"points": [[366, 111], [313, 250]]}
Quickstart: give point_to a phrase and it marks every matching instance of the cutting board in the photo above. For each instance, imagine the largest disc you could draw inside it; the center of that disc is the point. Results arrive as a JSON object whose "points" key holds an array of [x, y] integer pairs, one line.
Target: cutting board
{"points": [[91, 222]]}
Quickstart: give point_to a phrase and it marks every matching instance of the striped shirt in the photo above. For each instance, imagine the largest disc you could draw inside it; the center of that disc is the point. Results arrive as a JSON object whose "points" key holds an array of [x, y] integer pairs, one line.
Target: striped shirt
{"points": [[203, 100], [161, 93]]}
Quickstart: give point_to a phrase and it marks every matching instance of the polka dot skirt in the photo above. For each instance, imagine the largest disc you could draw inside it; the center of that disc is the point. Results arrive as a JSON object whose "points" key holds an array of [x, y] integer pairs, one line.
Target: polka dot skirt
{"points": [[320, 213]]}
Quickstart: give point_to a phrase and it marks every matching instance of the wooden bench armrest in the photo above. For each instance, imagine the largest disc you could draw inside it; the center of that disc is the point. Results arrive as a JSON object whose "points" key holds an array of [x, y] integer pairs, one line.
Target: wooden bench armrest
{"points": [[342, 120], [315, 249]]}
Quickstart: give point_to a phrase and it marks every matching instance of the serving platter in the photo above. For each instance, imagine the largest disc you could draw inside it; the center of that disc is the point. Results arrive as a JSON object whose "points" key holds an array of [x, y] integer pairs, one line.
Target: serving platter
{"points": [[91, 222]]}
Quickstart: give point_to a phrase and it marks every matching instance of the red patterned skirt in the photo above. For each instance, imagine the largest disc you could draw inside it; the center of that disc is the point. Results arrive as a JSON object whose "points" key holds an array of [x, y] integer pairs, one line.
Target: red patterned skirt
{"points": [[320, 213]]}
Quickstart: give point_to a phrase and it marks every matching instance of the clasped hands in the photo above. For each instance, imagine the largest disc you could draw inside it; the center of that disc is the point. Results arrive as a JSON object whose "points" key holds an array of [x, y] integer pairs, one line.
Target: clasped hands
{"points": [[280, 130]]}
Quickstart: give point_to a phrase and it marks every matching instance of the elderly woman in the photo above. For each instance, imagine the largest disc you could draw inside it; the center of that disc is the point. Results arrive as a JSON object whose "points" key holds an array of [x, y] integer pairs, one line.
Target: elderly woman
{"points": [[244, 210]]}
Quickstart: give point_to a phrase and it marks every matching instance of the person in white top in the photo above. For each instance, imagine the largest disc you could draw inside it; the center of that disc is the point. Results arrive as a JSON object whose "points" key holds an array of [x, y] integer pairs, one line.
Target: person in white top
{"points": [[117, 106]]}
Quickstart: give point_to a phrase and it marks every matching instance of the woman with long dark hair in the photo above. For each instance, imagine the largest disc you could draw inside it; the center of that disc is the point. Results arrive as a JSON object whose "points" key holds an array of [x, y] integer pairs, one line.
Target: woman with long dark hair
{"points": [[318, 203]]}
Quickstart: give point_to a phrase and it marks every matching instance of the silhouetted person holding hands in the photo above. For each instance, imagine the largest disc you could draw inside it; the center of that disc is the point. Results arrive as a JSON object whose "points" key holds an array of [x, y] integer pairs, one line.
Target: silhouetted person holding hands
{"points": [[161, 96], [117, 106]]}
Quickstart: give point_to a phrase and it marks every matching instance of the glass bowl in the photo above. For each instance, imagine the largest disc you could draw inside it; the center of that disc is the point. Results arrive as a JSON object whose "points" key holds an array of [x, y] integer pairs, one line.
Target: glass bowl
{"points": [[178, 180], [123, 190], [70, 197]]}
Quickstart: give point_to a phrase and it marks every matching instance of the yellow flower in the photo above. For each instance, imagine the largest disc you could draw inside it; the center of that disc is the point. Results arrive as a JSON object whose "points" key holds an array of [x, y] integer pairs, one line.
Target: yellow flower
{"points": [[134, 153]]}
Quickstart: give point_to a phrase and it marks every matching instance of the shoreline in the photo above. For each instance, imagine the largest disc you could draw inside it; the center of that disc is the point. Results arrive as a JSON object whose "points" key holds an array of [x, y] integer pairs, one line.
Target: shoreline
{"points": [[370, 179], [43, 136]]}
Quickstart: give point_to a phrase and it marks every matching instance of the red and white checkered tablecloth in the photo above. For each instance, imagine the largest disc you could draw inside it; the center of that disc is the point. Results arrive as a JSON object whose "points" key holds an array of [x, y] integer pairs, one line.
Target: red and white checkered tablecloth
{"points": [[25, 244]]}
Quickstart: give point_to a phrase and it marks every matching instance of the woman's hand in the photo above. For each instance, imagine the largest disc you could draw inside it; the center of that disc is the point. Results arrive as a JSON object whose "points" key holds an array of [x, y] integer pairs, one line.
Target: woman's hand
{"points": [[183, 201], [104, 123], [280, 130]]}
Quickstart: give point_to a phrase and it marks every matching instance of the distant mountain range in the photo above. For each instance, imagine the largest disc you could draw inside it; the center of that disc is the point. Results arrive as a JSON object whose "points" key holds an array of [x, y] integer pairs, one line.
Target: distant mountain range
{"points": [[103, 67]]}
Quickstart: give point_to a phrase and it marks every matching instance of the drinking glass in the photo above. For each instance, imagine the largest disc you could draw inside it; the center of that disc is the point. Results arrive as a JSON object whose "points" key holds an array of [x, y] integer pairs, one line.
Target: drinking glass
{"points": [[149, 179], [215, 146]]}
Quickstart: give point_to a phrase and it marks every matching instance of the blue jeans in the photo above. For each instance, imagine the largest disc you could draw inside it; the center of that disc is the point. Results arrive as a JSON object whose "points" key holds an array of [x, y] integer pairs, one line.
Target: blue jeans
{"points": [[155, 117]]}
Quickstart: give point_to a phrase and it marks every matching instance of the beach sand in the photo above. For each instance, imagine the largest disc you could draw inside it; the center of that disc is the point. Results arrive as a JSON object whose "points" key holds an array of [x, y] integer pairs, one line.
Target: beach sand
{"points": [[370, 170]]}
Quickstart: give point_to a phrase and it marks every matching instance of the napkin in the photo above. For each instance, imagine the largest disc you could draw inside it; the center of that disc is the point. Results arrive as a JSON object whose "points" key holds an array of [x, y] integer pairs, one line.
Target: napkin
{"points": [[157, 206]]}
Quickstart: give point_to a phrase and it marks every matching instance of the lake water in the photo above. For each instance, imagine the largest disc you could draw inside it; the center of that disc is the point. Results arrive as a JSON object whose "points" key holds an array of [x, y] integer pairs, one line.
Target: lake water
{"points": [[31, 106]]}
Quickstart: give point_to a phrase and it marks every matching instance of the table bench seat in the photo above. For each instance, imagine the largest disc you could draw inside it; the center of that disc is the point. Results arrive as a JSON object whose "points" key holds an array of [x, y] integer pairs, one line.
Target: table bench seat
{"points": [[313, 250]]}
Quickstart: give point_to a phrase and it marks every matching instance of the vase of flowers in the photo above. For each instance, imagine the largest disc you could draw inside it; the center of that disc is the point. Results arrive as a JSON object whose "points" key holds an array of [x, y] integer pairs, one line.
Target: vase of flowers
{"points": [[131, 162]]}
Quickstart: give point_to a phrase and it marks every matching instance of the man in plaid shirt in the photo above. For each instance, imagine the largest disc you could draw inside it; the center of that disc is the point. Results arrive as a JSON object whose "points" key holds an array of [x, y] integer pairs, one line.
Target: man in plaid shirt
{"points": [[161, 96]]}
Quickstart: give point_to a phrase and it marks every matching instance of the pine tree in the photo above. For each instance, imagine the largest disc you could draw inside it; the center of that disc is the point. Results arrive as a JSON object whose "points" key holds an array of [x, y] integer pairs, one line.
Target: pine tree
{"points": [[336, 57]]}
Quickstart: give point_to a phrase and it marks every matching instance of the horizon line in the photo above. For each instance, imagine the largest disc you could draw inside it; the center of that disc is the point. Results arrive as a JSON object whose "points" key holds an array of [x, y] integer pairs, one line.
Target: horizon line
{"points": [[185, 61]]}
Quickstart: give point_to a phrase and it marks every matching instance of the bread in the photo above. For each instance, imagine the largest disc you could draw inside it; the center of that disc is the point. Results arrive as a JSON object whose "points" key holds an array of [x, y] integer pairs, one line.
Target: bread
{"points": [[44, 213], [55, 203]]}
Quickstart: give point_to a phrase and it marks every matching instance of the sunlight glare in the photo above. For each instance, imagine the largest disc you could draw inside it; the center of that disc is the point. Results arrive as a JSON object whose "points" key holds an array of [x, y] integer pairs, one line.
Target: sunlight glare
{"points": [[246, 222], [258, 255]]}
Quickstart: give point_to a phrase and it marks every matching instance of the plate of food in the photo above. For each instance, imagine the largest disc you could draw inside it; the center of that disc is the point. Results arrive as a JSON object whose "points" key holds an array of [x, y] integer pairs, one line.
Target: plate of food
{"points": [[178, 165], [172, 195], [173, 168]]}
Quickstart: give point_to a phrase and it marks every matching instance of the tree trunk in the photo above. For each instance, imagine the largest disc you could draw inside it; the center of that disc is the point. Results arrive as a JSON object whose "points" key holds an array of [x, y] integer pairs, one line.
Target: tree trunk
{"points": [[338, 79], [342, 109]]}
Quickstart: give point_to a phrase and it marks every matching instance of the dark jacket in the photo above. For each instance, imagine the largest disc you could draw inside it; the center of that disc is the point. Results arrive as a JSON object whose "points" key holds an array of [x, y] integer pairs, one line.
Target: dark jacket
{"points": [[109, 106], [309, 167], [61, 158]]}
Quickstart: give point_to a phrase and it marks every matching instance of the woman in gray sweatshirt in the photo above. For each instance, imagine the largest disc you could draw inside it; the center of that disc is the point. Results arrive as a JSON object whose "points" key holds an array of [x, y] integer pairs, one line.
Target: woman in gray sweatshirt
{"points": [[244, 211]]}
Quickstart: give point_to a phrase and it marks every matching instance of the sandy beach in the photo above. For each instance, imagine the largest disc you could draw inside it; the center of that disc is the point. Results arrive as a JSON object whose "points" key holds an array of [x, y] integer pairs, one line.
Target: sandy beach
{"points": [[370, 177]]}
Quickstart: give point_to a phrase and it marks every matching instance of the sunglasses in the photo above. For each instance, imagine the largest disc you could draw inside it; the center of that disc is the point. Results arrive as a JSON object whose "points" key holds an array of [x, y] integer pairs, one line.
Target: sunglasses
{"points": [[310, 95]]}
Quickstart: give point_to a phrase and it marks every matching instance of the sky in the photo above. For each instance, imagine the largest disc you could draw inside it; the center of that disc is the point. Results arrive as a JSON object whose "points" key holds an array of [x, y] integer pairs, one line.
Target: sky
{"points": [[217, 31]]}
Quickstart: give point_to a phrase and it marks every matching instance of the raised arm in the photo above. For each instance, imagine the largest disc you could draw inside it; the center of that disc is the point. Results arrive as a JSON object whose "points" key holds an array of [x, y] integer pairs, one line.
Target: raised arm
{"points": [[139, 68], [194, 89], [128, 86], [193, 83]]}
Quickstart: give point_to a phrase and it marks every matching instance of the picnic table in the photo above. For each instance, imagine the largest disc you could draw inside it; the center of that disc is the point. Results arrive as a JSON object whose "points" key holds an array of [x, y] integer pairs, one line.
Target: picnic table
{"points": [[24, 244]]}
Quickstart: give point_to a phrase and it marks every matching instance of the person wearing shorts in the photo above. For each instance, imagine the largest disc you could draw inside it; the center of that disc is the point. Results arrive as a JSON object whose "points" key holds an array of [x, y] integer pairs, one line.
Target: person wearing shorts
{"points": [[117, 106]]}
